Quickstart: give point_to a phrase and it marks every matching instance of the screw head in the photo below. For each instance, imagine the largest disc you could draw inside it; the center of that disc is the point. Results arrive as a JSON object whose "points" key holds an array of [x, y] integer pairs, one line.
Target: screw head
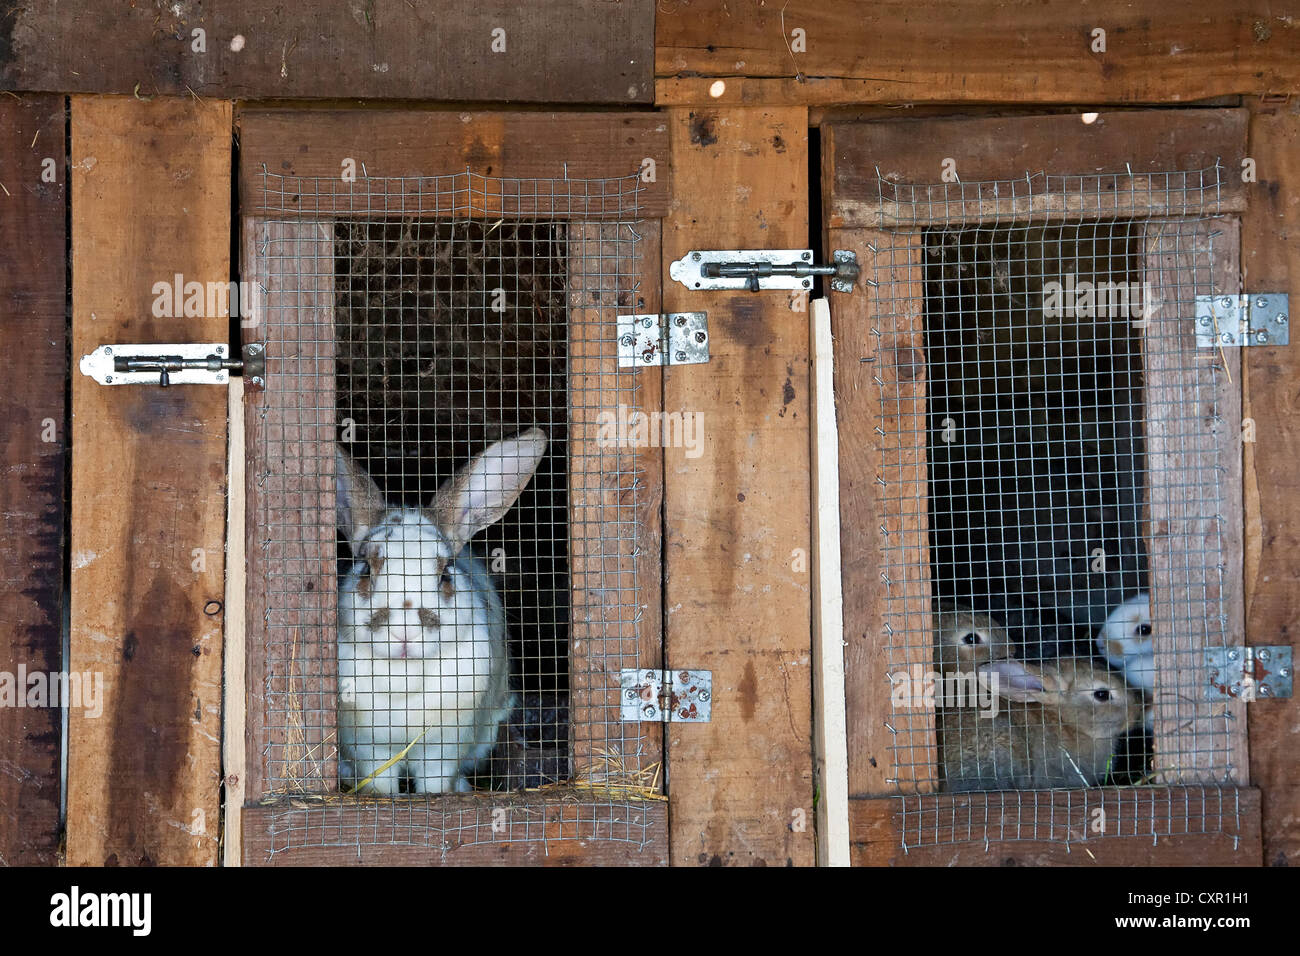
{"points": [[1232, 655], [625, 340], [647, 323], [1261, 336], [1235, 689], [1284, 672], [680, 356], [807, 283], [257, 380], [806, 256], [1263, 691], [108, 379], [679, 321], [1261, 302], [696, 257], [221, 350], [254, 348], [107, 350], [1205, 320], [1226, 302], [1226, 338], [1262, 654], [700, 337], [1280, 318]]}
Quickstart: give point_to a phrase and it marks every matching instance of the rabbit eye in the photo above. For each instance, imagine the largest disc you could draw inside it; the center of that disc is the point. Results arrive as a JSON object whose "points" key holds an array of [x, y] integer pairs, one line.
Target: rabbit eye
{"points": [[1144, 630], [971, 637], [1101, 695]]}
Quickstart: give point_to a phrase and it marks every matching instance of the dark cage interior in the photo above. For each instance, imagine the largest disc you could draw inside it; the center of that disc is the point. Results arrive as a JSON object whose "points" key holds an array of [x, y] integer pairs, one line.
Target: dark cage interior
{"points": [[1036, 444], [453, 336]]}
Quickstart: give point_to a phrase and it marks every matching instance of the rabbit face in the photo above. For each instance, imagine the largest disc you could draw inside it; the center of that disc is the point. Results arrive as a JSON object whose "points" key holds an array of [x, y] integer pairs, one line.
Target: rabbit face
{"points": [[1125, 641], [406, 588], [964, 638], [1086, 697]]}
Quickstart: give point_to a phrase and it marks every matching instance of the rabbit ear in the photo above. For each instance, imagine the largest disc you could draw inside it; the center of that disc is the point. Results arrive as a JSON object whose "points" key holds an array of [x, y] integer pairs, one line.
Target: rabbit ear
{"points": [[1014, 680], [358, 502], [482, 492]]}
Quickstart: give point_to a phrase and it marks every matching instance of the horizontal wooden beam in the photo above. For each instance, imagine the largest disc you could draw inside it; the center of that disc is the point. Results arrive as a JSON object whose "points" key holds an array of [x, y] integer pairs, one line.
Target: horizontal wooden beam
{"points": [[1171, 826], [1146, 162], [807, 52], [326, 163], [562, 51], [454, 830]]}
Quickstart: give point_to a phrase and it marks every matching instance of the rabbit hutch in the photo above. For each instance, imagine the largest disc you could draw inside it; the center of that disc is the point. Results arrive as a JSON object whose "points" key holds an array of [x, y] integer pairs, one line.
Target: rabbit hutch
{"points": [[623, 433]]}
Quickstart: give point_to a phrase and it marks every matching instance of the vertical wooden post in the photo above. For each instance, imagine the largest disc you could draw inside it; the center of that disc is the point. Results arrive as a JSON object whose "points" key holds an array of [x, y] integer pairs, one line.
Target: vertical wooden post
{"points": [[33, 443], [828, 604], [150, 202], [737, 590], [1193, 446], [1270, 258]]}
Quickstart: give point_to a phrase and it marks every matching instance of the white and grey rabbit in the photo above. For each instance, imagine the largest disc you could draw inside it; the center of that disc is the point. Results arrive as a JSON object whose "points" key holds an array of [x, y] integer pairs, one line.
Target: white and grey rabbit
{"points": [[1125, 641], [1058, 727], [422, 631]]}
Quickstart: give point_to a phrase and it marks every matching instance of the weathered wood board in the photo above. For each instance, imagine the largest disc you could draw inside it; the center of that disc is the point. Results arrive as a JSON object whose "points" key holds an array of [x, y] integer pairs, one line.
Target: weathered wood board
{"points": [[1270, 259], [563, 51], [1174, 815], [33, 447], [736, 509], [150, 200], [850, 51], [324, 163]]}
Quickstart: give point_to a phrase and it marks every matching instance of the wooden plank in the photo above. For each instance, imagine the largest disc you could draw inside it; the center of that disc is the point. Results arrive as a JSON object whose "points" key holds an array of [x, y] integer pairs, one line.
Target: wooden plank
{"points": [[993, 156], [562, 831], [736, 522], [830, 739], [234, 724], [33, 406], [292, 608], [1174, 826], [1271, 263], [616, 577], [880, 402], [568, 51], [291, 163], [930, 51], [1193, 441], [150, 199]]}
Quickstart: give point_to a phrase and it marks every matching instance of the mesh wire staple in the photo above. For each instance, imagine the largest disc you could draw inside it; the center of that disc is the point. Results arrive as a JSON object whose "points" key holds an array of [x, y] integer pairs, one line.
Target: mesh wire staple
{"points": [[416, 322], [1049, 454]]}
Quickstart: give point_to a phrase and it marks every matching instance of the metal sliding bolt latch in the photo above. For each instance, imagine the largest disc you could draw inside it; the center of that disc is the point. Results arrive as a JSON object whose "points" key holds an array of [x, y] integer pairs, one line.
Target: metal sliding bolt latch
{"points": [[760, 270], [173, 364]]}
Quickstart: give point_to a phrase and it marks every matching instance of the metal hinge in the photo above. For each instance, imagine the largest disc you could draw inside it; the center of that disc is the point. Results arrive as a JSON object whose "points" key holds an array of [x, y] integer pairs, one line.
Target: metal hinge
{"points": [[172, 364], [1260, 318], [1248, 673], [762, 269], [654, 695], [678, 338]]}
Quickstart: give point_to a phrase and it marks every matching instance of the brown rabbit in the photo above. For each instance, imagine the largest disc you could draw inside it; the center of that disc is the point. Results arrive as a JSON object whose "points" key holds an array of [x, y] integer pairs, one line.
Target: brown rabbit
{"points": [[1059, 730], [965, 638]]}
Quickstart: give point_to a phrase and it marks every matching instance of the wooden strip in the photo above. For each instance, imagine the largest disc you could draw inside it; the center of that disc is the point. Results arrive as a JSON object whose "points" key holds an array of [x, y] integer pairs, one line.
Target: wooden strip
{"points": [[830, 738], [33, 445], [234, 753], [616, 579], [292, 550], [904, 51], [737, 516], [150, 200], [563, 831], [1177, 817], [880, 399], [567, 51], [1000, 152], [1193, 402], [292, 164], [1271, 263]]}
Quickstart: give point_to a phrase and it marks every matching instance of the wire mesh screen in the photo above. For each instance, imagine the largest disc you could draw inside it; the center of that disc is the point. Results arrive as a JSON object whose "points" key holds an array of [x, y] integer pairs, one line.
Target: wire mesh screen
{"points": [[435, 501], [1045, 411]]}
